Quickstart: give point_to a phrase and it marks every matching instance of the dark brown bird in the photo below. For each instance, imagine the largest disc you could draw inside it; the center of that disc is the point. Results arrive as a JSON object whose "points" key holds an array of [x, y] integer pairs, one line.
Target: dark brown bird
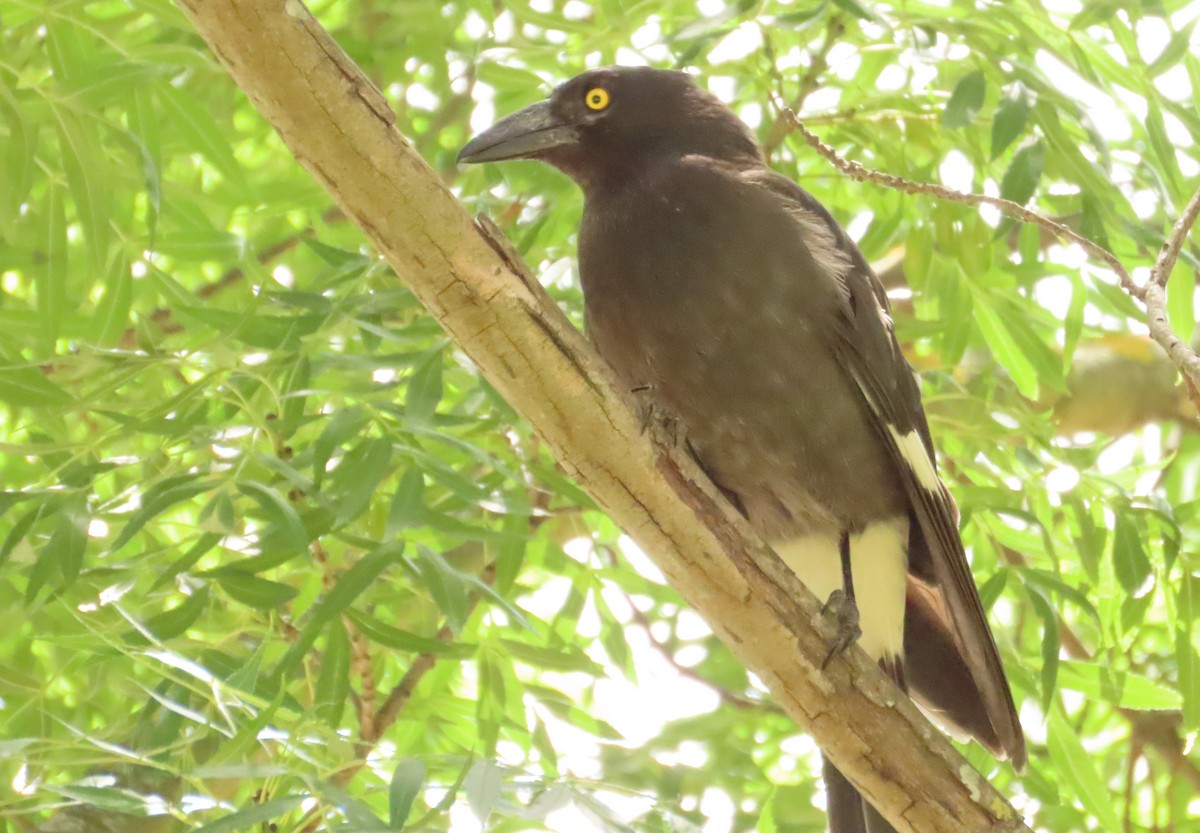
{"points": [[737, 303]]}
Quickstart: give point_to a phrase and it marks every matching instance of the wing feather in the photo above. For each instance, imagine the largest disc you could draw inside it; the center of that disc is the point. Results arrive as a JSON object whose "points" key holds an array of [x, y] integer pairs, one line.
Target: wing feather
{"points": [[864, 343]]}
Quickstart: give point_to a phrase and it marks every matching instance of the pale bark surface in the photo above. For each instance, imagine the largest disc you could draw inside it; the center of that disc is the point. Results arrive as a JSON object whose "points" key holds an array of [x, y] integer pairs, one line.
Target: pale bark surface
{"points": [[341, 129]]}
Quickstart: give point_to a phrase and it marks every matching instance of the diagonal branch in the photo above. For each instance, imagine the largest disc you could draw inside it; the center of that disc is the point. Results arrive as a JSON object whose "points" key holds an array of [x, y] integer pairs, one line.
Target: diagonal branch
{"points": [[471, 281]]}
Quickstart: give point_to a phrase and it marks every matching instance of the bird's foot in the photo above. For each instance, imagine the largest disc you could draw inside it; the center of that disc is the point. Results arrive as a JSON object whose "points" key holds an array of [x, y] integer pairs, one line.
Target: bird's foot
{"points": [[845, 611], [667, 428]]}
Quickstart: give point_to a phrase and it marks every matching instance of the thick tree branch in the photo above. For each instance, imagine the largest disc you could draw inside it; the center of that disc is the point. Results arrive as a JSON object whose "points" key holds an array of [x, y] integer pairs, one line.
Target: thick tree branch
{"points": [[342, 130], [1152, 294]]}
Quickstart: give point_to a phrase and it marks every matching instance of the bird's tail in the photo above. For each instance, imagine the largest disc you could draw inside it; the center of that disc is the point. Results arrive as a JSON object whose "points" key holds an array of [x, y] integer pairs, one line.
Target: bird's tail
{"points": [[849, 812]]}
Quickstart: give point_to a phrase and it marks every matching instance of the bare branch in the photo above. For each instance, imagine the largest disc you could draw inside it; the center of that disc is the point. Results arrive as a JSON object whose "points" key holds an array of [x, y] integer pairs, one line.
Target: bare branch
{"points": [[908, 186], [1152, 294], [1174, 242]]}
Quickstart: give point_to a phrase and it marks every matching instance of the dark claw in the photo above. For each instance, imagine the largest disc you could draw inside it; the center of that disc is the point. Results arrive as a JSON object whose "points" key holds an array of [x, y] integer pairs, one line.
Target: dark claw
{"points": [[846, 612], [667, 427]]}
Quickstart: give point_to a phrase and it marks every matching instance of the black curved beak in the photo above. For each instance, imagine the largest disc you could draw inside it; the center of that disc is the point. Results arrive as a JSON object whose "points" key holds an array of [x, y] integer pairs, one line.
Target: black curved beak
{"points": [[524, 134]]}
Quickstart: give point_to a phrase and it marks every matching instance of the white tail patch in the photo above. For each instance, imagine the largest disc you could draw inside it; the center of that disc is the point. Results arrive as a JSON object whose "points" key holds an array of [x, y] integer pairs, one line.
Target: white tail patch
{"points": [[913, 450], [879, 568]]}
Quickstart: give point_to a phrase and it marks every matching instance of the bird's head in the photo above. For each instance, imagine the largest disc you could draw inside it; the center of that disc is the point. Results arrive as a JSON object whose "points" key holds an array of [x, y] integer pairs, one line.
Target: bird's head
{"points": [[608, 122]]}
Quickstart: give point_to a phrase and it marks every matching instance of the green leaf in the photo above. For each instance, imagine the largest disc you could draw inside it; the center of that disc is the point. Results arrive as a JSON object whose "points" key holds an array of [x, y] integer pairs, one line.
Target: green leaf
{"points": [[1004, 347], [508, 78], [255, 591], [483, 787], [1050, 644], [1011, 118], [157, 499], [991, 589], [28, 387], [406, 783], [1074, 765], [1178, 46], [200, 131], [111, 799], [551, 659], [69, 540], [1188, 659], [244, 820], [177, 620], [392, 637], [446, 586], [333, 685], [1162, 149], [18, 156], [1181, 302], [424, 388], [112, 311], [343, 593], [19, 530], [1073, 323], [286, 533], [186, 561], [51, 279], [408, 503], [855, 8], [1023, 174], [1130, 563], [344, 424], [359, 475], [965, 101], [1125, 688], [86, 178]]}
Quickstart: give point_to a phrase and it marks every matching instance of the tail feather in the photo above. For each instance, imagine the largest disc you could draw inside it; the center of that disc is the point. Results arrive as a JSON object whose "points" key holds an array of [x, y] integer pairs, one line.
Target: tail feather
{"points": [[848, 811]]}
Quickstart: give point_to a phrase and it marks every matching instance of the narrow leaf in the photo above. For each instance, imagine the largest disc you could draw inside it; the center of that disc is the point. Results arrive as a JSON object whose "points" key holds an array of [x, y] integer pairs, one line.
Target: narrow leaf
{"points": [[965, 101], [1021, 179], [158, 498], [425, 388], [333, 685], [347, 588], [1130, 562], [287, 530], [28, 387], [69, 540], [200, 131], [1075, 766], [253, 815], [1011, 118], [406, 783], [408, 503], [255, 591]]}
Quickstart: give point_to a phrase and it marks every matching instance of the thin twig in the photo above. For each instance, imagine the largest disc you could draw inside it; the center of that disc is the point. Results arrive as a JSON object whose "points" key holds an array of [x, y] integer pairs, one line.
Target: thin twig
{"points": [[908, 186], [1152, 294]]}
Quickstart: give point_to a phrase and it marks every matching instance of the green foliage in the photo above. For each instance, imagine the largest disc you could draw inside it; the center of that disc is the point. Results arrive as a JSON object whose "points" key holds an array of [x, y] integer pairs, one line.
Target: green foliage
{"points": [[252, 493]]}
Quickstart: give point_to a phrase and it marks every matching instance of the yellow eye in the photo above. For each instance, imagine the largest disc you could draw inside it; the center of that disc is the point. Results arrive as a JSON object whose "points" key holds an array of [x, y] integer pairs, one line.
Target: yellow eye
{"points": [[596, 99]]}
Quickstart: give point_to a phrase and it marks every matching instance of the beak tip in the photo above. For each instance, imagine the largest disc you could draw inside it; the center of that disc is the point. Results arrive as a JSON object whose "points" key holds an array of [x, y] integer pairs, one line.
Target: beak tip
{"points": [[466, 156]]}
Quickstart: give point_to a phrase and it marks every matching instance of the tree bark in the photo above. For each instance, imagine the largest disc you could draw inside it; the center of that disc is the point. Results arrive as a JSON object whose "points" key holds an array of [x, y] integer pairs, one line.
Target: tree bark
{"points": [[341, 128]]}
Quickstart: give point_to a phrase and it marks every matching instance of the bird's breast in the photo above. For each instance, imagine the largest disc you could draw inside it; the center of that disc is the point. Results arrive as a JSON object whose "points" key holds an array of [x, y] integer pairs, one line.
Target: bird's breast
{"points": [[708, 297]]}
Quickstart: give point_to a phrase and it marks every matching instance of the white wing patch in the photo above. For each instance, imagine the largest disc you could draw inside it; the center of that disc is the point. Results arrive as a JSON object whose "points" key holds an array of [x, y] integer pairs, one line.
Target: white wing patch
{"points": [[879, 568], [914, 453]]}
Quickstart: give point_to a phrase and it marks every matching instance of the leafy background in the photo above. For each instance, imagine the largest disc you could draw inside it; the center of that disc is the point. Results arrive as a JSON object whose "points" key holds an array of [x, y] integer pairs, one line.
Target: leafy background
{"points": [[272, 553]]}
